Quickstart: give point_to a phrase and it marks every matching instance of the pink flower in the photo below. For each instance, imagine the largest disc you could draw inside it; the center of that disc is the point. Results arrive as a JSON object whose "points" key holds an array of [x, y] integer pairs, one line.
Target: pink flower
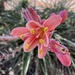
{"points": [[37, 34], [60, 51], [63, 15]]}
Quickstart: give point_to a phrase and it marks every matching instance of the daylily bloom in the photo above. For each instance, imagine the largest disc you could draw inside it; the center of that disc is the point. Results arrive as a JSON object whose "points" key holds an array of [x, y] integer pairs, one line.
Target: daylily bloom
{"points": [[37, 34], [63, 15], [60, 51]]}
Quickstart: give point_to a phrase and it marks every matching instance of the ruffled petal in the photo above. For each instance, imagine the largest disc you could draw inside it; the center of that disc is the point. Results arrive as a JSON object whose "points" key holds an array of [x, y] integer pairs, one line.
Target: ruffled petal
{"points": [[19, 31], [41, 51], [52, 22], [30, 43], [63, 15], [33, 24], [64, 59]]}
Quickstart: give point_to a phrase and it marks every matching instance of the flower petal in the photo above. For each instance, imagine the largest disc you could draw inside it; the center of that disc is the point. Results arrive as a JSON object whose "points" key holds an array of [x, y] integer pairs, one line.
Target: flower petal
{"points": [[52, 14], [64, 59], [19, 31], [30, 43], [63, 15], [55, 46], [42, 21], [46, 40], [35, 16], [52, 22], [26, 15], [30, 14], [41, 51], [33, 24]]}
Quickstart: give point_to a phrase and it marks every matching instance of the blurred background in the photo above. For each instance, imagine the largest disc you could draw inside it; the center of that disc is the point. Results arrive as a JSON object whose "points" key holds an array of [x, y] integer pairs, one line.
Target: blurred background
{"points": [[13, 60]]}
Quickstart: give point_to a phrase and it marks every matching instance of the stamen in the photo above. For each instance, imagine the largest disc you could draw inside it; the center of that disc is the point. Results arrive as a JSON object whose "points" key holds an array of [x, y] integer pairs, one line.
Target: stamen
{"points": [[45, 29], [27, 46], [32, 31], [40, 51], [22, 36], [41, 41]]}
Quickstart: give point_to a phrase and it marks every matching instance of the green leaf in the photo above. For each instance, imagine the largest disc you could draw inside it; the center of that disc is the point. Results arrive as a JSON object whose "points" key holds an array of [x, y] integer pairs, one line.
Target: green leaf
{"points": [[26, 62], [37, 67], [45, 67]]}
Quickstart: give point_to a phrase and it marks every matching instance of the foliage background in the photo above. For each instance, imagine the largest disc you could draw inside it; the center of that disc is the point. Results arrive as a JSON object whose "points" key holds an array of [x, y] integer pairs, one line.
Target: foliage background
{"points": [[14, 61]]}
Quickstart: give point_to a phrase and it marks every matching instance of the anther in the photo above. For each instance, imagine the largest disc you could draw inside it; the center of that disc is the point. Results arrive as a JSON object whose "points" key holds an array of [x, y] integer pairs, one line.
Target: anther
{"points": [[22, 36], [27, 46], [45, 29], [32, 31], [41, 41], [40, 51]]}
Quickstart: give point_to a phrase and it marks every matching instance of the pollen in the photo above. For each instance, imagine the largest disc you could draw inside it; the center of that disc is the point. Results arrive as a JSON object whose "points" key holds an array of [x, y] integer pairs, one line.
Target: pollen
{"points": [[40, 51], [41, 41], [27, 46], [22, 36], [45, 29], [32, 31]]}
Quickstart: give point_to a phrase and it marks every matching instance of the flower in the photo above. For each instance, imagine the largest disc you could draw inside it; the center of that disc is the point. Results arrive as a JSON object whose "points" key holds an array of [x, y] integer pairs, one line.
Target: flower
{"points": [[37, 34], [60, 51], [63, 14]]}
